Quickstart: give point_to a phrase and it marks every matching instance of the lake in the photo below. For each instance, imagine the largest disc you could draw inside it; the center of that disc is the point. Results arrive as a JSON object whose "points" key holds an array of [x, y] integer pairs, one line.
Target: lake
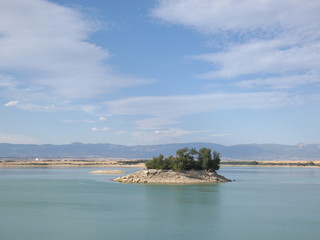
{"points": [[71, 204]]}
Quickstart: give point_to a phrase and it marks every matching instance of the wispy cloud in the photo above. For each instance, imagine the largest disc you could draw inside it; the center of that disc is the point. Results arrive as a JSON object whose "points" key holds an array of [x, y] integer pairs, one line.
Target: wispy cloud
{"points": [[11, 103], [264, 38], [279, 57], [102, 119], [156, 122], [30, 106], [48, 44], [119, 132], [17, 139], [95, 129], [167, 110], [174, 132], [285, 82], [169, 135], [237, 15], [78, 120]]}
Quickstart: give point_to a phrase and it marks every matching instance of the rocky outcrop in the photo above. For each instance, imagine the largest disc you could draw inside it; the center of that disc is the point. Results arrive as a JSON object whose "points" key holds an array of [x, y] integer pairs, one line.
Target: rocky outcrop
{"points": [[171, 177]]}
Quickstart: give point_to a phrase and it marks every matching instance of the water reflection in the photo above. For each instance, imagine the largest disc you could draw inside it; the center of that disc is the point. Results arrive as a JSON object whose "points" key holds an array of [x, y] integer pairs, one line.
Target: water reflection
{"points": [[186, 210]]}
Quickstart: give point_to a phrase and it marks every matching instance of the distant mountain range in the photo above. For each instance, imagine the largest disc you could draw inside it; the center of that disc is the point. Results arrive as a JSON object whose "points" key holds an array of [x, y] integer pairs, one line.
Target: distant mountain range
{"points": [[84, 151]]}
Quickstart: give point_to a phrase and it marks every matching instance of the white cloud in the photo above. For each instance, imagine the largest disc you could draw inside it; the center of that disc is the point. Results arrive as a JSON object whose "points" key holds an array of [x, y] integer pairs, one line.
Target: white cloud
{"points": [[48, 44], [121, 132], [285, 82], [255, 37], [237, 15], [264, 56], [88, 108], [162, 132], [174, 132], [95, 129], [78, 120], [156, 122], [11, 103], [102, 119], [30, 106], [169, 135], [169, 110]]}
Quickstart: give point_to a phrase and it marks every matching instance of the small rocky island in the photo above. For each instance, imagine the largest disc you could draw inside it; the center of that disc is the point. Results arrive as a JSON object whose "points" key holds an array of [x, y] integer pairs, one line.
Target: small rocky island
{"points": [[188, 167], [156, 176]]}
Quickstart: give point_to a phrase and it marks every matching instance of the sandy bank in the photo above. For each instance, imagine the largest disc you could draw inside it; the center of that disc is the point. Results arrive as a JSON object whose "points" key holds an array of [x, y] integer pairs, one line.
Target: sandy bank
{"points": [[107, 172], [170, 177], [273, 163], [69, 164]]}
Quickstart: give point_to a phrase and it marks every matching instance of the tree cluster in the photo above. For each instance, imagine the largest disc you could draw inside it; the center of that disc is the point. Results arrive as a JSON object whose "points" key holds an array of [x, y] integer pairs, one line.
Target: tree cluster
{"points": [[187, 159]]}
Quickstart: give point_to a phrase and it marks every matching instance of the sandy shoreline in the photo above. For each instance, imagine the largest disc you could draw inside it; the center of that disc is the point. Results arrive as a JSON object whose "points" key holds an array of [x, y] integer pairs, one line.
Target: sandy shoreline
{"points": [[273, 163], [69, 164], [268, 166], [103, 172], [131, 164]]}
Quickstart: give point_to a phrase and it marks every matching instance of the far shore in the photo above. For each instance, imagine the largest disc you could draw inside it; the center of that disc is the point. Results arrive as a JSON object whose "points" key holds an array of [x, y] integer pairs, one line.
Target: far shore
{"points": [[272, 163], [72, 163], [125, 163]]}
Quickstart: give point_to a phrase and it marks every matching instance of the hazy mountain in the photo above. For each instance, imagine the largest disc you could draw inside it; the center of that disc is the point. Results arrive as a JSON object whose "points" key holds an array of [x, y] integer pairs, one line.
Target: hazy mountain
{"points": [[79, 150]]}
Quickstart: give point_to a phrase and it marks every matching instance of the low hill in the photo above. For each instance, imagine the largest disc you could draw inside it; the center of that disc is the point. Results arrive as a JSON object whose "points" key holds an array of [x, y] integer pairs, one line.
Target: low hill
{"points": [[81, 151]]}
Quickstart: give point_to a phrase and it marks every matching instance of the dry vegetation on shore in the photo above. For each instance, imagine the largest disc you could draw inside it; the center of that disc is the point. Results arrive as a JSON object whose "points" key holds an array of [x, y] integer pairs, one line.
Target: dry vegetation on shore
{"points": [[125, 163], [274, 163], [74, 163]]}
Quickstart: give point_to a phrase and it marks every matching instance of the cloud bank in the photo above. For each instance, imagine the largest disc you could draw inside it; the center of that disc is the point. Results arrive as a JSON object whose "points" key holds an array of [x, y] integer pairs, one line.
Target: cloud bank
{"points": [[168, 110], [238, 15], [46, 47], [267, 40]]}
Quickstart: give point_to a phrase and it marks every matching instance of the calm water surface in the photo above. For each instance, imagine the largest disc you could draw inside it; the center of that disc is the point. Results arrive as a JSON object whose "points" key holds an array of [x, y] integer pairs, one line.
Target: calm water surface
{"points": [[71, 204]]}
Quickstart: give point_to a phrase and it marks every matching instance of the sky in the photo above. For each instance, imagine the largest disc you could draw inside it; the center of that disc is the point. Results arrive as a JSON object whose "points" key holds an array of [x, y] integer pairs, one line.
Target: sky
{"points": [[160, 71]]}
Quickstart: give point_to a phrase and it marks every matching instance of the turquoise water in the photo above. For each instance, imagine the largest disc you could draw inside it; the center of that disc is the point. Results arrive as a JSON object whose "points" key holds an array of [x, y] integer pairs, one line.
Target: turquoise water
{"points": [[71, 204]]}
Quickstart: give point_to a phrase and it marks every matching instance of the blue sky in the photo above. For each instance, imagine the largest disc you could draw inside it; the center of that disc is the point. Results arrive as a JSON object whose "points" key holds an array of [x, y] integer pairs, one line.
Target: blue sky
{"points": [[154, 72]]}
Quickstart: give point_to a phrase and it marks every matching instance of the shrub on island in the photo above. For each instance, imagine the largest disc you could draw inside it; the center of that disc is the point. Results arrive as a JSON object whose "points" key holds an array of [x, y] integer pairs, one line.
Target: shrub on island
{"points": [[187, 159]]}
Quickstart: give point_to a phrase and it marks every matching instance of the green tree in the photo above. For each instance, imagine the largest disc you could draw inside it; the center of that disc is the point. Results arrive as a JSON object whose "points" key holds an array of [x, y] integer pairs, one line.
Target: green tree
{"points": [[181, 160], [205, 159], [156, 163], [169, 162], [187, 159], [216, 161]]}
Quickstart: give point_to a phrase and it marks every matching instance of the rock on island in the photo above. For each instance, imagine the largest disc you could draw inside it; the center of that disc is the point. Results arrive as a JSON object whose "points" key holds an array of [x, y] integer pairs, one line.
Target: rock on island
{"points": [[155, 176]]}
